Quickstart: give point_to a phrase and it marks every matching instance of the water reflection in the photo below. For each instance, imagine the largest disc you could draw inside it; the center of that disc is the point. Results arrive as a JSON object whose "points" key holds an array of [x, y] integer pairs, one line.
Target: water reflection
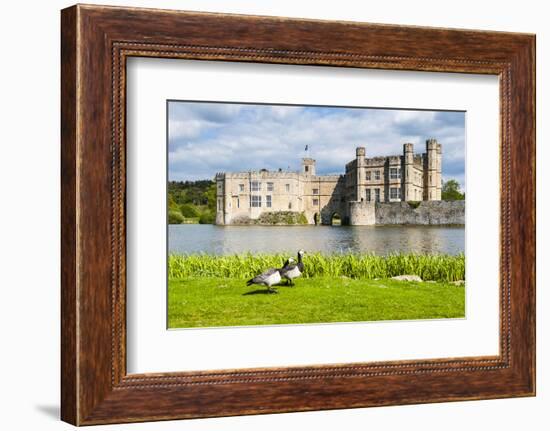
{"points": [[380, 240]]}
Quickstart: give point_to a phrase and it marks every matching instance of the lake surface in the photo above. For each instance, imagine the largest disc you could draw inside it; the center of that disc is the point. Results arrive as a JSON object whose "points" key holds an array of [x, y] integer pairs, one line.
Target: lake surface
{"points": [[381, 240]]}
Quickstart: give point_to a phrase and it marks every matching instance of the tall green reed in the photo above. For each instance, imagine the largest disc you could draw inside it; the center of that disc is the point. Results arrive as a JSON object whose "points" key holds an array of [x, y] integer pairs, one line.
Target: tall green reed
{"points": [[436, 267]]}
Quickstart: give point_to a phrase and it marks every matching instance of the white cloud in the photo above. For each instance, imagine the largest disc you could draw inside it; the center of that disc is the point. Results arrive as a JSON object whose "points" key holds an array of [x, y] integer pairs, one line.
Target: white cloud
{"points": [[205, 138]]}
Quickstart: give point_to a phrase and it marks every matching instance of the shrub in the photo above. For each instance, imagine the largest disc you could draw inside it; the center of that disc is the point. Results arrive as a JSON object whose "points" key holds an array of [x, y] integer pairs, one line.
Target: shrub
{"points": [[174, 217], [281, 218], [302, 219], [207, 217]]}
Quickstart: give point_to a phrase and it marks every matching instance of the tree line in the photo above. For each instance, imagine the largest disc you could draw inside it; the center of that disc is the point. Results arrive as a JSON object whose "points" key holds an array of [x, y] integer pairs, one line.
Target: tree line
{"points": [[191, 202]]}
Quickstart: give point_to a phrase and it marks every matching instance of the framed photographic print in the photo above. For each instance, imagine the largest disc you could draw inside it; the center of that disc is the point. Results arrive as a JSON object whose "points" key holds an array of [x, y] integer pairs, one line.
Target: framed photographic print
{"points": [[266, 215]]}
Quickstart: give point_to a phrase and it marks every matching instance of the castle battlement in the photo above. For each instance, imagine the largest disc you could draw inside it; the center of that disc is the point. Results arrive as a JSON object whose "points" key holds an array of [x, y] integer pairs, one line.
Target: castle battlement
{"points": [[258, 174]]}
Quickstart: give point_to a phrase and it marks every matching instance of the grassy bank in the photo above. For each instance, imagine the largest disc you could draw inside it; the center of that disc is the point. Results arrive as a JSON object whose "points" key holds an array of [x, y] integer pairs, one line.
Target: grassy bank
{"points": [[428, 267], [227, 301]]}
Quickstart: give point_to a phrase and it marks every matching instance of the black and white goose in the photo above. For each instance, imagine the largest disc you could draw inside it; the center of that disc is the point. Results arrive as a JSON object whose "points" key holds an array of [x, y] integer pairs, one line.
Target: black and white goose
{"points": [[269, 277], [292, 270]]}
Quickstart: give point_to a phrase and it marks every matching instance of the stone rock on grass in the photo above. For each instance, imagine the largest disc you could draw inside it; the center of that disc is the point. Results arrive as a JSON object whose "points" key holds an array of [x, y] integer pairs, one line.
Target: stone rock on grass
{"points": [[407, 278], [458, 282]]}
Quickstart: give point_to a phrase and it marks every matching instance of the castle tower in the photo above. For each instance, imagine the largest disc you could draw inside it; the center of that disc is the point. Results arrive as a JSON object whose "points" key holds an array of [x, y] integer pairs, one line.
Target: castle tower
{"points": [[308, 166], [360, 174], [408, 172], [220, 198], [439, 183], [431, 172]]}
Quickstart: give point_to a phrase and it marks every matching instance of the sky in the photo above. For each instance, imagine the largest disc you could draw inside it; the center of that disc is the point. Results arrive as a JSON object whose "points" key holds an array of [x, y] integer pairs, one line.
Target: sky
{"points": [[205, 138]]}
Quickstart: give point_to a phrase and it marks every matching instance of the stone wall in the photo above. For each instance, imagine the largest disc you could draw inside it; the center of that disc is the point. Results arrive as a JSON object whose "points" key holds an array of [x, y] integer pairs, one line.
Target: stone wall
{"points": [[362, 213], [426, 213]]}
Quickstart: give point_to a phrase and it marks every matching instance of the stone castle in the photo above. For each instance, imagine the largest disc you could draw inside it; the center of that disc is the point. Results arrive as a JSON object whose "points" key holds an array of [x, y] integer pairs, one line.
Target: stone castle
{"points": [[244, 196]]}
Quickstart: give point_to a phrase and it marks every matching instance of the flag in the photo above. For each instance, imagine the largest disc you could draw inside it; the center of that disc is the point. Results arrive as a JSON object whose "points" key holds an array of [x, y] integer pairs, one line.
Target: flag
{"points": [[305, 149]]}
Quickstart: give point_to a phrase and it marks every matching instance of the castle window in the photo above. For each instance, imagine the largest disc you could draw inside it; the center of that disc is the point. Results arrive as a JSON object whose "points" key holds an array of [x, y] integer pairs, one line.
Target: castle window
{"points": [[255, 186], [377, 195], [394, 193], [315, 191], [269, 187], [268, 201], [368, 195], [306, 168], [219, 204], [238, 203], [241, 188], [394, 173], [290, 205], [287, 188], [377, 176], [367, 176], [255, 201], [315, 202]]}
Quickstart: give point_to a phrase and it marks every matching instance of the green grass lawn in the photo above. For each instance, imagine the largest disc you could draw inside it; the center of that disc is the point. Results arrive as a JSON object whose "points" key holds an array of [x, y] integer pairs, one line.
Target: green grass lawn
{"points": [[213, 301]]}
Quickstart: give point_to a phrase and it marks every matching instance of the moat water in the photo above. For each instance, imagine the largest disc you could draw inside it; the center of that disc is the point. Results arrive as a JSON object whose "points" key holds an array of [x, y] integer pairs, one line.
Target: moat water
{"points": [[380, 240]]}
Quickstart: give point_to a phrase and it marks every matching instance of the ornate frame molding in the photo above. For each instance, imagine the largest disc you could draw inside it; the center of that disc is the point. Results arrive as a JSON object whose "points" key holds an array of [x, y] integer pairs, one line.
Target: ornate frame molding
{"points": [[96, 41]]}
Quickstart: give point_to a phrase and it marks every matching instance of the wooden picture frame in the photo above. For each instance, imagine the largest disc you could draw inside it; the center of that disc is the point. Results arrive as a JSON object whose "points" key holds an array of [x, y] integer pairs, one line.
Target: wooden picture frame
{"points": [[95, 43]]}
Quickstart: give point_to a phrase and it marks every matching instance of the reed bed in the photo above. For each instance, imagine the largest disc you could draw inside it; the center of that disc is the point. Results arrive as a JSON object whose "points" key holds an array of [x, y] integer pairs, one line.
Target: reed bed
{"points": [[436, 267]]}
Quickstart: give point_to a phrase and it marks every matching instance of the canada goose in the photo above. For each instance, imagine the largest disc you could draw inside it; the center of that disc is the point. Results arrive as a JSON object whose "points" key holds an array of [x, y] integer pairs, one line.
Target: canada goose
{"points": [[288, 262], [293, 270], [268, 278]]}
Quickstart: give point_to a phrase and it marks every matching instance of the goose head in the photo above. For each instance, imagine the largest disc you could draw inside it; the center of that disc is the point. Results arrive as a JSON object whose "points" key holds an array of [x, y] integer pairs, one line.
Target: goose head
{"points": [[289, 261]]}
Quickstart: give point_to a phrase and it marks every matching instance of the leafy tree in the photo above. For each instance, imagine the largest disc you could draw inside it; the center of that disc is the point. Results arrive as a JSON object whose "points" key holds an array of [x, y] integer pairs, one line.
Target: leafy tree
{"points": [[190, 192], [172, 205], [210, 196], [189, 210], [451, 191]]}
